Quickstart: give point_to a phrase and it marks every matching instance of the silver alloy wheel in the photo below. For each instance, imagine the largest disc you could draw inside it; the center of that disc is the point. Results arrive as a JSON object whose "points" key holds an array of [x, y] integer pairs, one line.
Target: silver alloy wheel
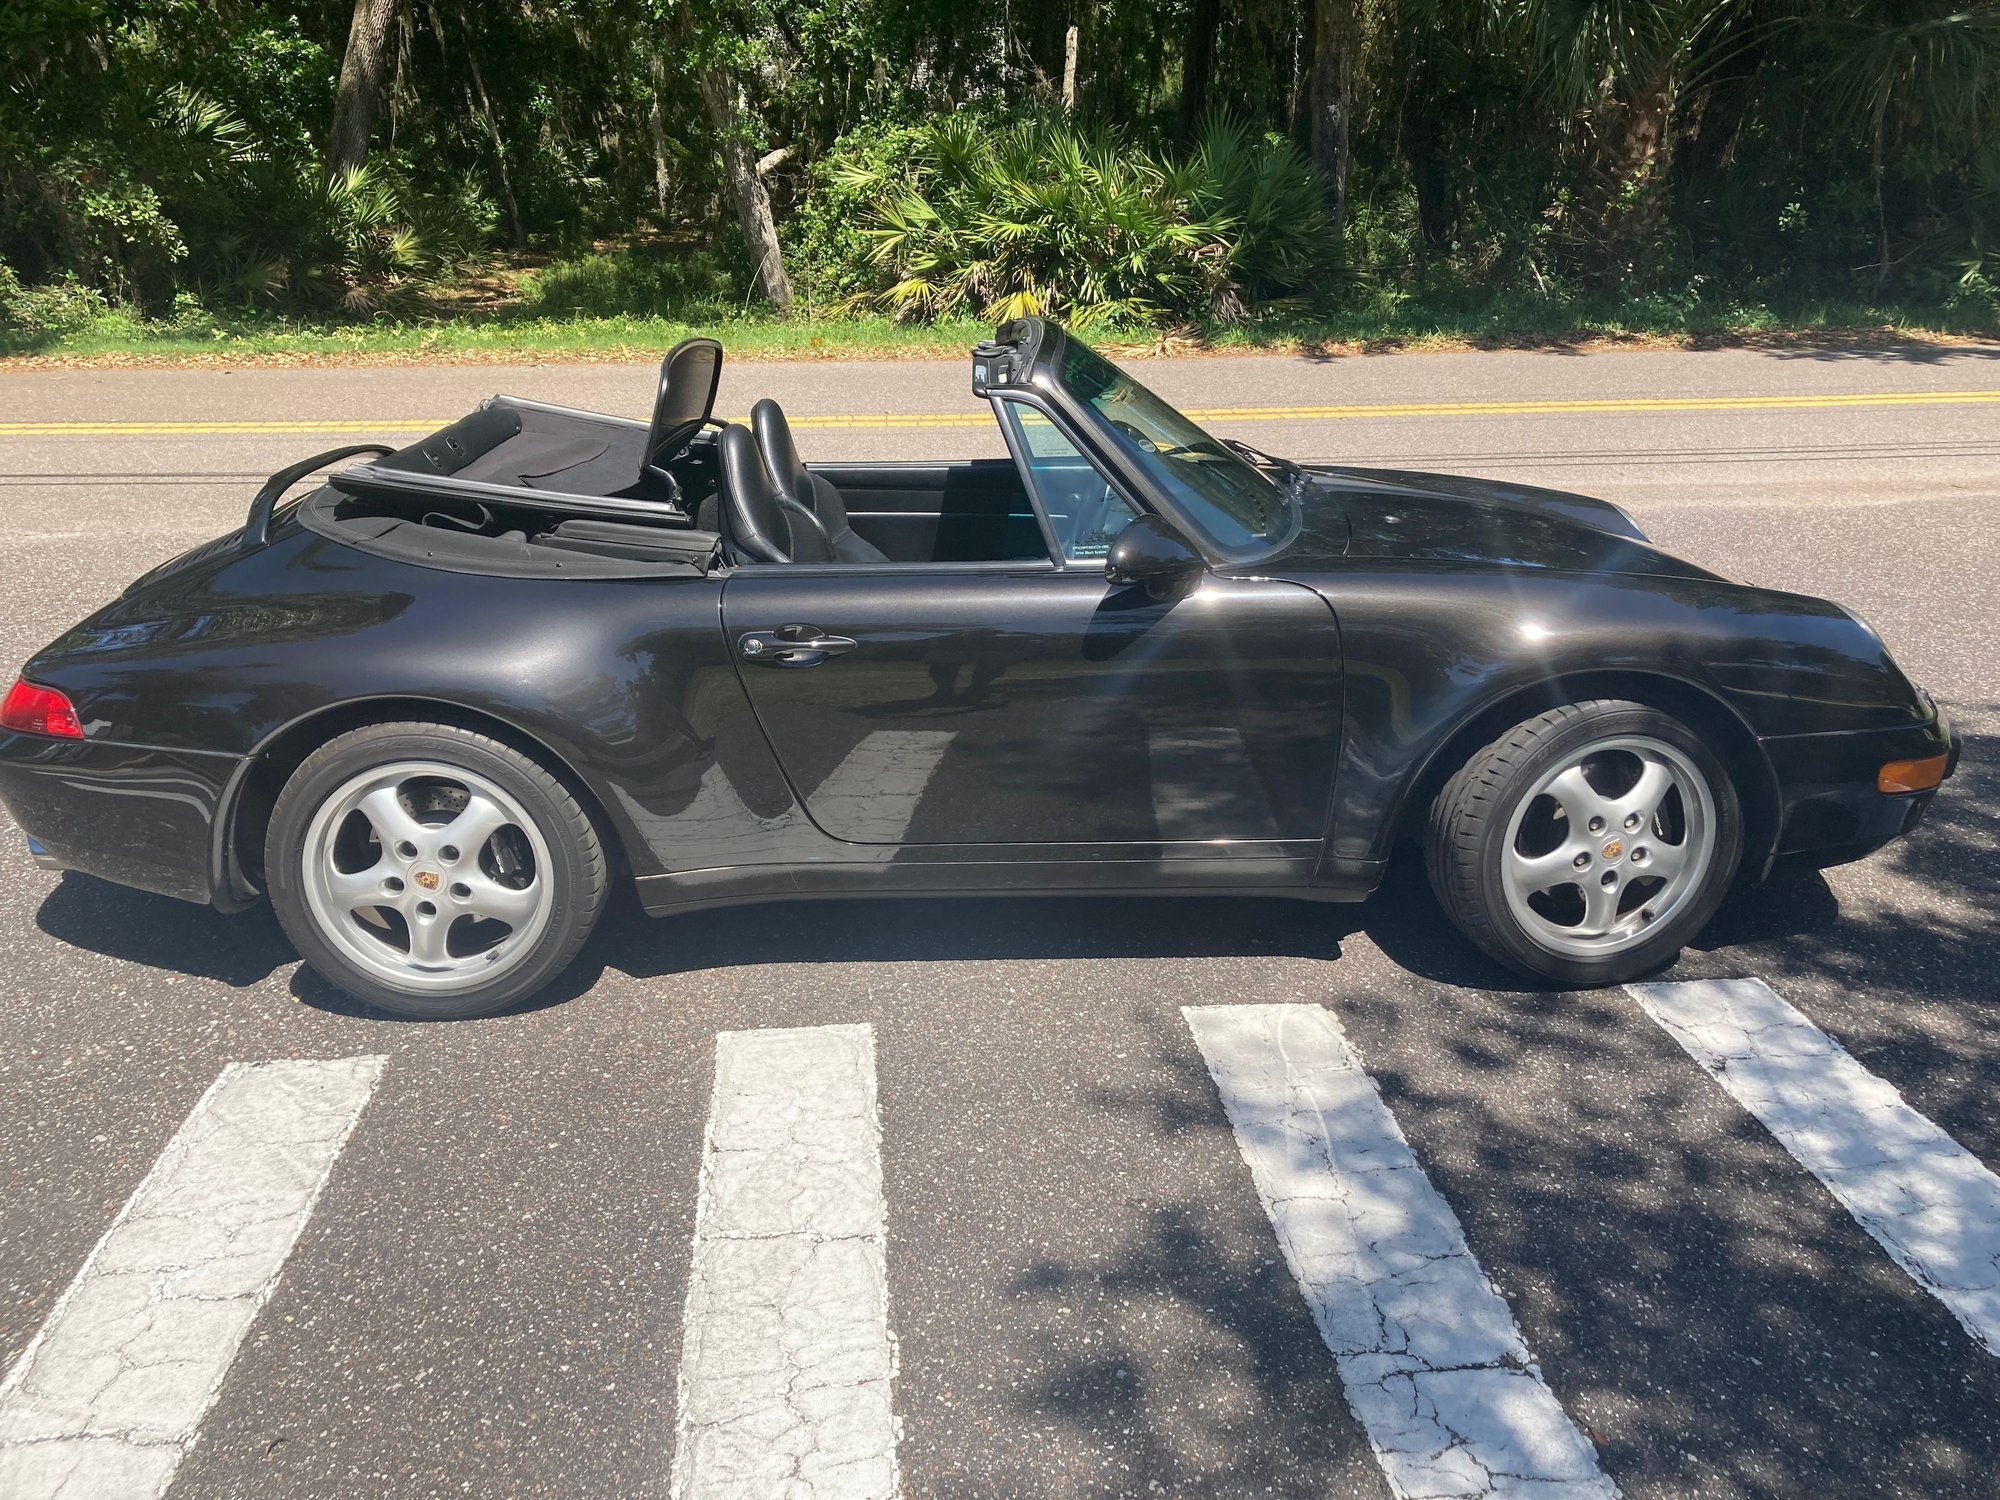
{"points": [[1608, 846], [428, 876]]}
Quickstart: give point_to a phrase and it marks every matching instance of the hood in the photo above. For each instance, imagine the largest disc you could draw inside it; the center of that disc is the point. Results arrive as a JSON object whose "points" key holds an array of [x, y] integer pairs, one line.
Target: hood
{"points": [[1445, 519]]}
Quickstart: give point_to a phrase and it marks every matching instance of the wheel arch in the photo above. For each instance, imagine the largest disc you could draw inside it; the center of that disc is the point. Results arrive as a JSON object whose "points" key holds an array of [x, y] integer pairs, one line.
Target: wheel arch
{"points": [[1701, 710], [245, 814]]}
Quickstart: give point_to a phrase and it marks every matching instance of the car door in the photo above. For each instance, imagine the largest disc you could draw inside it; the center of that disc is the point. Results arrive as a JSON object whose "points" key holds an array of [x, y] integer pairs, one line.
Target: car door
{"points": [[1022, 706]]}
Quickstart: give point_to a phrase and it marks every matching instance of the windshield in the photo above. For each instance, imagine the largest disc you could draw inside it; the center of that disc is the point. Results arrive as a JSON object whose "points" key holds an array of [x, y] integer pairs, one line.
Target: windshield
{"points": [[1239, 510]]}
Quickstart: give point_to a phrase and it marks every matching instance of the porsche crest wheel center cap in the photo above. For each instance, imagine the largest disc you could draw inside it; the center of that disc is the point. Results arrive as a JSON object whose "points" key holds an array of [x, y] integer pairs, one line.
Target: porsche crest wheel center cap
{"points": [[1611, 850], [427, 879]]}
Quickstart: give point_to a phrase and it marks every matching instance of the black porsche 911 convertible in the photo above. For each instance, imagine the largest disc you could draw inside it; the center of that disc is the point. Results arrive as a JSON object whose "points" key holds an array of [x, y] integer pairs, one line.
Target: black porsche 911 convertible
{"points": [[436, 707]]}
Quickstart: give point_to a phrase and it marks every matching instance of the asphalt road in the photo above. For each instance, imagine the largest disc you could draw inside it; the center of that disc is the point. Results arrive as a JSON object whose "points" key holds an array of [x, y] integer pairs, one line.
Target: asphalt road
{"points": [[1085, 1292]]}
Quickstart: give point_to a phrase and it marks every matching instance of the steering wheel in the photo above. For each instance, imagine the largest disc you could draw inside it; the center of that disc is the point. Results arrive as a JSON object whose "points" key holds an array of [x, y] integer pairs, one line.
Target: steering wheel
{"points": [[1135, 435]]}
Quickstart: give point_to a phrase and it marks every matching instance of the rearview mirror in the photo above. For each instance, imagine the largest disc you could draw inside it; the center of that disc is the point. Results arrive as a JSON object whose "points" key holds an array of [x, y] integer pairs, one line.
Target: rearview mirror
{"points": [[1153, 552]]}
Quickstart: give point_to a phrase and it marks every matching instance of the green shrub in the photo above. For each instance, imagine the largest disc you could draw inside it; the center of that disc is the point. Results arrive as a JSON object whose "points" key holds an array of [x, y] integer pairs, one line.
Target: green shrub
{"points": [[967, 215], [31, 316], [201, 202], [829, 251], [652, 280]]}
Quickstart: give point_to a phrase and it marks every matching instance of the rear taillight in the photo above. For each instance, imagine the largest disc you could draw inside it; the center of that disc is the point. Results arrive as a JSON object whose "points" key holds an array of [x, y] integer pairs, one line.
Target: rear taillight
{"points": [[32, 709]]}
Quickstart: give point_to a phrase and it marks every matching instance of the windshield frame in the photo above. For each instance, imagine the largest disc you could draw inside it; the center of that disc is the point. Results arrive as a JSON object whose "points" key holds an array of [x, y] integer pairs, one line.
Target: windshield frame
{"points": [[1139, 471]]}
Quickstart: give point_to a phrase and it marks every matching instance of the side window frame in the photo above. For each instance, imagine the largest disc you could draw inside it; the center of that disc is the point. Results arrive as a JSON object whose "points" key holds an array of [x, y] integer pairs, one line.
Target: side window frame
{"points": [[1024, 465]]}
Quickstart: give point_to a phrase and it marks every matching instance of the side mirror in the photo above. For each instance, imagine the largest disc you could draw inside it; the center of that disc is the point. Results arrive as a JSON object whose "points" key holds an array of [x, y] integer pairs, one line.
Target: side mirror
{"points": [[1153, 552]]}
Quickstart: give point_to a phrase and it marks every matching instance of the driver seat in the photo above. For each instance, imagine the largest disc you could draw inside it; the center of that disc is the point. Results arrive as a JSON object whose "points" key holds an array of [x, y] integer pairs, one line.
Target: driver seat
{"points": [[761, 523], [805, 489]]}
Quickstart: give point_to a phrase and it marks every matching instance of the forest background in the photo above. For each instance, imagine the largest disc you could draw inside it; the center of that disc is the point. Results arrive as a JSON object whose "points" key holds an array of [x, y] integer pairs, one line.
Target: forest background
{"points": [[413, 177]]}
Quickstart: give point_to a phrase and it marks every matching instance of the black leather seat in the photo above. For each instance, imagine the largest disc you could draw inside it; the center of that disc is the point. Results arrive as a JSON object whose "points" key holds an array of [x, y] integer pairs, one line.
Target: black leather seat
{"points": [[762, 524], [804, 488]]}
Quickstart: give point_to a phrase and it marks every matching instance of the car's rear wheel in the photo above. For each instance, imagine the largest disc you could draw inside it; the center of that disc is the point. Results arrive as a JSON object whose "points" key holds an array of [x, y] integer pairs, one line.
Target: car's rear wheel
{"points": [[1587, 844], [432, 871]]}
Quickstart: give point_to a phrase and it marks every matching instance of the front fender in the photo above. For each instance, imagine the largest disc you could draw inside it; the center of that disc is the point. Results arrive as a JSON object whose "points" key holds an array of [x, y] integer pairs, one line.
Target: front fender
{"points": [[1434, 658]]}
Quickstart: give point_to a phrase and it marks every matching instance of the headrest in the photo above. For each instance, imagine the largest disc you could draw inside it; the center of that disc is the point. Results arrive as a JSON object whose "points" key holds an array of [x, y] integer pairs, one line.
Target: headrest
{"points": [[774, 436]]}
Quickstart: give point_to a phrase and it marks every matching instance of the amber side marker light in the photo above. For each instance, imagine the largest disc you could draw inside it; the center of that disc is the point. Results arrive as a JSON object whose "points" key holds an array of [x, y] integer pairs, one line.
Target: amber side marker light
{"points": [[32, 709], [1911, 775]]}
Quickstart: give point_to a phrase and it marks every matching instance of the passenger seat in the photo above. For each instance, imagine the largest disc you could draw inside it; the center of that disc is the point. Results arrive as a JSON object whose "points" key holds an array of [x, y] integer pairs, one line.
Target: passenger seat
{"points": [[806, 489], [760, 522]]}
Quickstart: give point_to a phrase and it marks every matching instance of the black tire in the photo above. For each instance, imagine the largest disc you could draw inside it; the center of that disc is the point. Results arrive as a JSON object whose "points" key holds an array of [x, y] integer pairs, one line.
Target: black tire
{"points": [[1471, 817], [576, 871]]}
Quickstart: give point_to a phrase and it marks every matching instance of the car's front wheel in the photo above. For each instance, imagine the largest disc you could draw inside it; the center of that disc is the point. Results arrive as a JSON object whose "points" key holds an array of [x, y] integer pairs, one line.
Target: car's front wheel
{"points": [[1588, 844], [432, 871]]}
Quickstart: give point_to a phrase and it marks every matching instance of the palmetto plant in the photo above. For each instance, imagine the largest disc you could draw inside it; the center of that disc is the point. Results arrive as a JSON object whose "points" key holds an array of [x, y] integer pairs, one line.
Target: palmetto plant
{"points": [[1041, 216], [1035, 217], [1618, 70], [1262, 205], [359, 241], [377, 247], [1924, 72]]}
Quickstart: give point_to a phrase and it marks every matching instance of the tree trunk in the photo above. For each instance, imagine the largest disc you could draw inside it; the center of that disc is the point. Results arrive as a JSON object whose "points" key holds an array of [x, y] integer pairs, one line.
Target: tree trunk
{"points": [[493, 132], [1069, 70], [656, 129], [363, 69], [1336, 37], [1875, 158], [746, 186], [1198, 63], [1437, 203], [1636, 153]]}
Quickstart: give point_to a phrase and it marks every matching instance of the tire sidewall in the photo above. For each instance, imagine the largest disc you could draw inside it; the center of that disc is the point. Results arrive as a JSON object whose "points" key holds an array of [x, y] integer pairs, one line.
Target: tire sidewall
{"points": [[1610, 721], [576, 890]]}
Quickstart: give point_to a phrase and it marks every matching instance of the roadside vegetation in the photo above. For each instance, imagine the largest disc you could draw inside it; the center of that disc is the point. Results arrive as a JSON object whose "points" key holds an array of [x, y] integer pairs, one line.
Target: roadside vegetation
{"points": [[431, 178]]}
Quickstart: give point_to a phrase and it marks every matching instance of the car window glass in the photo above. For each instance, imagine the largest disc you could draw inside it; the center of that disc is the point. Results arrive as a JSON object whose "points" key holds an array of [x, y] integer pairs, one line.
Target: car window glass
{"points": [[1084, 510], [1227, 499]]}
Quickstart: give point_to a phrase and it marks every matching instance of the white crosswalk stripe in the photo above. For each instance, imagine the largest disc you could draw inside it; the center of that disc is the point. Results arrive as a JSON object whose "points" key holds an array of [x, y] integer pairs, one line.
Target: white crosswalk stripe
{"points": [[1434, 1367], [787, 1362], [110, 1395], [1928, 1201]]}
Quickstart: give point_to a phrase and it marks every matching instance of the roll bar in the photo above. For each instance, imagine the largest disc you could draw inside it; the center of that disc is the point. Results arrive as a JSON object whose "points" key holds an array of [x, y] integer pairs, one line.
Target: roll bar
{"points": [[257, 526]]}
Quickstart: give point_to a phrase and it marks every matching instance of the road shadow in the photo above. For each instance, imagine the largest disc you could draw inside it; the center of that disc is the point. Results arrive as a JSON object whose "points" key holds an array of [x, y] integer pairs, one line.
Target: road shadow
{"points": [[163, 933], [980, 928], [1856, 346], [1892, 351], [1272, 1414]]}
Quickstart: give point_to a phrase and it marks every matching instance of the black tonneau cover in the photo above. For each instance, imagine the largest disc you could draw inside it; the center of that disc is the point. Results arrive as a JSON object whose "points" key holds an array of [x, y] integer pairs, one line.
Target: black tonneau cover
{"points": [[515, 452], [577, 547]]}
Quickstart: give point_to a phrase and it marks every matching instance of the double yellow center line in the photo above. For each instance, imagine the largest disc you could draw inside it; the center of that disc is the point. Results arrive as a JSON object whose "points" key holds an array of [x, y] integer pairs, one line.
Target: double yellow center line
{"points": [[980, 417]]}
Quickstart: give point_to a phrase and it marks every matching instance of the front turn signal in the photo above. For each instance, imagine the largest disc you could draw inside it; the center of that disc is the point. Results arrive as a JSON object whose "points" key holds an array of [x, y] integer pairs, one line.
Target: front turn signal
{"points": [[32, 709], [1912, 775]]}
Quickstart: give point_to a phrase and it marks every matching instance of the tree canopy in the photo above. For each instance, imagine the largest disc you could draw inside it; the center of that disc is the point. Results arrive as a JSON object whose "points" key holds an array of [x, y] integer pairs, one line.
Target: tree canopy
{"points": [[1208, 158]]}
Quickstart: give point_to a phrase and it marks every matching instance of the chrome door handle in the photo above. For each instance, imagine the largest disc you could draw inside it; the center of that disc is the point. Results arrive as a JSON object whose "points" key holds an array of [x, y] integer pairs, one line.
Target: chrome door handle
{"points": [[791, 646]]}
